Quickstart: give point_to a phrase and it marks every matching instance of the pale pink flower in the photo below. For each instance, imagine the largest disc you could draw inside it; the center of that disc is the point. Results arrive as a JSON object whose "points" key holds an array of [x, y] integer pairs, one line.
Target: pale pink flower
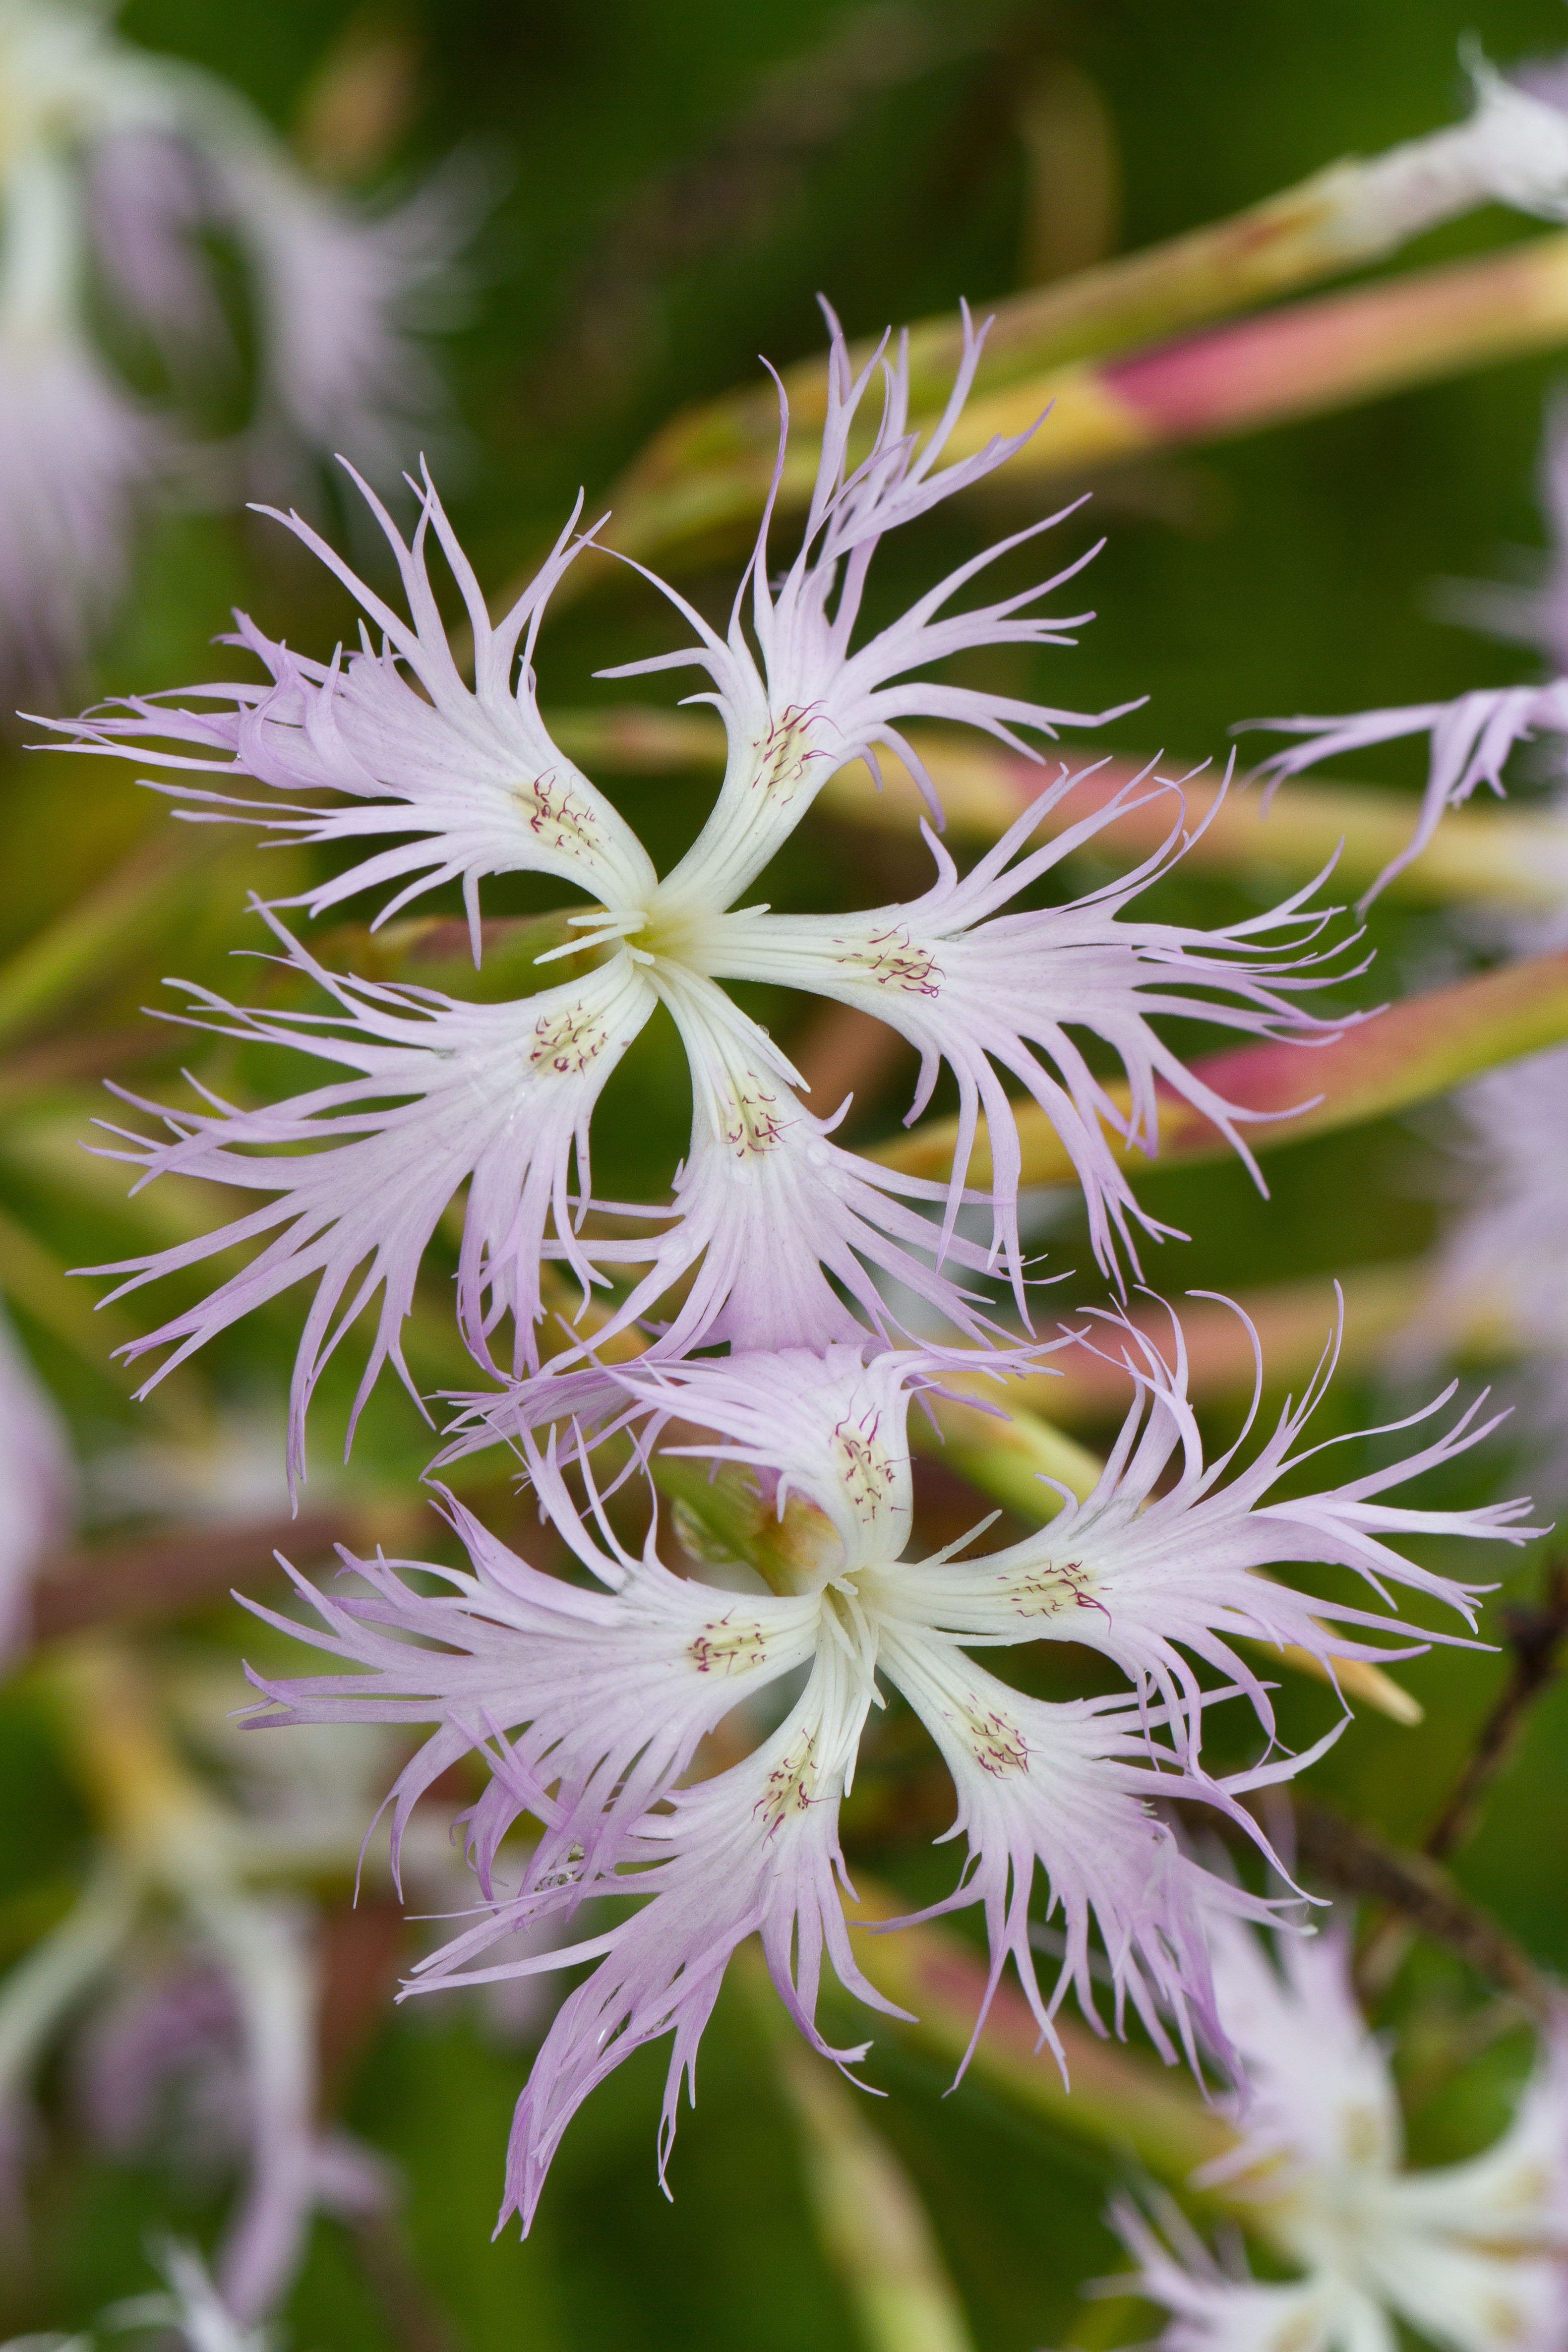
{"points": [[118, 164], [1472, 738], [77, 448], [38, 1487], [190, 2307], [1473, 2257], [1500, 1280], [590, 1705], [243, 2050], [185, 1988], [502, 1097], [1216, 2309], [994, 994], [464, 782]]}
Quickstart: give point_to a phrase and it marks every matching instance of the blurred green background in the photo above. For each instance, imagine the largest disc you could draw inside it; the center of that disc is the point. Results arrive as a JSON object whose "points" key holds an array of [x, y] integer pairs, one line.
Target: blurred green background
{"points": [[673, 189]]}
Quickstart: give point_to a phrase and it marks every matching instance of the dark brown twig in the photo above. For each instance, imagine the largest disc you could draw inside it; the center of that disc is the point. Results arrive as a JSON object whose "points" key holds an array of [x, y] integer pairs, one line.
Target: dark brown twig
{"points": [[1534, 1637], [173, 1572], [1361, 1861]]}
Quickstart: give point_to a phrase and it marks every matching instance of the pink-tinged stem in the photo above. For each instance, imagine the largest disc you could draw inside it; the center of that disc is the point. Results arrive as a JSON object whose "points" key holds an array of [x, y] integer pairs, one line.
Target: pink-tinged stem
{"points": [[1345, 347], [1335, 221], [1516, 856], [1293, 1320], [1418, 1048], [1116, 2099], [1298, 361], [1511, 855]]}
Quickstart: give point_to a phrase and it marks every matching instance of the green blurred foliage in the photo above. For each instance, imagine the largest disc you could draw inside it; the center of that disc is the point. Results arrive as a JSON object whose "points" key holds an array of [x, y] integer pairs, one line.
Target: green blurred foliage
{"points": [[675, 188]]}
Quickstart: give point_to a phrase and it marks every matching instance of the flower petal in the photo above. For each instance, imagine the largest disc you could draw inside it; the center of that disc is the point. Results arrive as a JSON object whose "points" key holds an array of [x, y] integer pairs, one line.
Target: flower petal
{"points": [[1471, 737], [471, 774], [772, 1214], [990, 993], [810, 705], [1150, 1564], [753, 1851], [602, 1696], [1068, 1787], [498, 1095]]}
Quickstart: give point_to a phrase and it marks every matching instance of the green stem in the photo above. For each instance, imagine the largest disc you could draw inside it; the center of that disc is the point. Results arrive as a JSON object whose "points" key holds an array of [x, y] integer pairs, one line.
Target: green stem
{"points": [[1514, 856], [1420, 1047], [703, 479], [132, 909], [1112, 2097], [871, 2219], [723, 1516]]}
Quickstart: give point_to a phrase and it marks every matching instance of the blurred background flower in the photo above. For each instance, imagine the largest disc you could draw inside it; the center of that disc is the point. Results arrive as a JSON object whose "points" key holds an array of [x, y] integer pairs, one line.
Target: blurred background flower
{"points": [[1305, 390], [183, 303]]}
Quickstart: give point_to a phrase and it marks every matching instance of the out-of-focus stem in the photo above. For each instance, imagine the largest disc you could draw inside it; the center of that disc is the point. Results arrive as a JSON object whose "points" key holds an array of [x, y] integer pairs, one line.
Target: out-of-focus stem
{"points": [[360, 100], [1010, 1460], [63, 1059], [130, 909], [1535, 1638], [637, 740], [1116, 2100], [1300, 360], [179, 1568], [1513, 856], [1350, 214], [872, 2225], [155, 1812], [1293, 1321], [1106, 2321], [1420, 1047], [1358, 1858], [1290, 364], [436, 951]]}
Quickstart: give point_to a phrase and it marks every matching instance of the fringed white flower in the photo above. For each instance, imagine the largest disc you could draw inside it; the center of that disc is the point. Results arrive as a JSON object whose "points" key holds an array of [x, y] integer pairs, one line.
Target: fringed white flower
{"points": [[79, 446], [464, 780], [589, 1707], [1472, 740], [118, 163], [994, 994], [496, 1096], [775, 1235], [1473, 2257], [803, 704], [252, 2040], [1500, 1284], [1171, 1553]]}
